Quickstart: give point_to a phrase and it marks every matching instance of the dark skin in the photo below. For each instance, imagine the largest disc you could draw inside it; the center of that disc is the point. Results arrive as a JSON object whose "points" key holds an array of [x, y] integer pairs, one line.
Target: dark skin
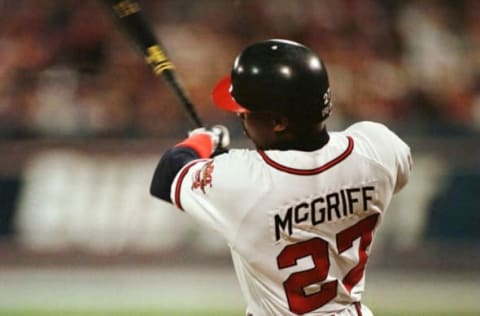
{"points": [[269, 130]]}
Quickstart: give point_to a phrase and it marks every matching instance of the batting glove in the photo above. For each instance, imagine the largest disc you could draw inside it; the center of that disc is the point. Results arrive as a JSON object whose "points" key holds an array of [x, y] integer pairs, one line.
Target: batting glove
{"points": [[219, 135]]}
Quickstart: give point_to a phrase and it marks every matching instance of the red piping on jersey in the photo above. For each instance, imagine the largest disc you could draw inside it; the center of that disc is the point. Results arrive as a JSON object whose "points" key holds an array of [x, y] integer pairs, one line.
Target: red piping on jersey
{"points": [[309, 172], [358, 308], [178, 185]]}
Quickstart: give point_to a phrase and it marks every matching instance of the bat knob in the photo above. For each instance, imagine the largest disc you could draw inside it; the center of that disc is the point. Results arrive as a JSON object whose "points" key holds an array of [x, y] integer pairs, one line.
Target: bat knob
{"points": [[223, 135], [219, 135]]}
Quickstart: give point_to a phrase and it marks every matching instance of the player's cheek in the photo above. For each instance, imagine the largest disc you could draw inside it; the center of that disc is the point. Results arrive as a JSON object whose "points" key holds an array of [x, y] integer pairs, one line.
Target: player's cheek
{"points": [[245, 128]]}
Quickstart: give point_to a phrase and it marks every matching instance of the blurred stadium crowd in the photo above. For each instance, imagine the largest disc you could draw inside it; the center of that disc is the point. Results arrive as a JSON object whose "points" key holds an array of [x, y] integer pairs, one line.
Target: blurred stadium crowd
{"points": [[65, 69], [82, 118]]}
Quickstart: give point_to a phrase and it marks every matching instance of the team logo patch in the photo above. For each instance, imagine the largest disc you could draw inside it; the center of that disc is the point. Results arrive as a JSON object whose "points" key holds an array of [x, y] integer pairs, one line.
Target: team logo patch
{"points": [[327, 102], [203, 177]]}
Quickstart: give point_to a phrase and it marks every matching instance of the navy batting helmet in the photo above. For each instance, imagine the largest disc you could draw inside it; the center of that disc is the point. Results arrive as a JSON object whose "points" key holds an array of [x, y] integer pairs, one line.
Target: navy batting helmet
{"points": [[278, 76]]}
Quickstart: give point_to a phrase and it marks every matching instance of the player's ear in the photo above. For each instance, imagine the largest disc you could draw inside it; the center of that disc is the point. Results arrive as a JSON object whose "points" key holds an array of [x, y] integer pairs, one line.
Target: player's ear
{"points": [[280, 123]]}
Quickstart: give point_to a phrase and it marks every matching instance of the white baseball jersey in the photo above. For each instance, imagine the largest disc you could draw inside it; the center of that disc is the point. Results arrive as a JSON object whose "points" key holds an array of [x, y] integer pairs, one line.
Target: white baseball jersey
{"points": [[299, 224]]}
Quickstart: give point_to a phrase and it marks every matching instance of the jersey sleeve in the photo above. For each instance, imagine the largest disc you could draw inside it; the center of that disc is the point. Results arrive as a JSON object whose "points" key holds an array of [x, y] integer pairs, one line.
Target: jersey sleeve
{"points": [[212, 191], [171, 162], [386, 148]]}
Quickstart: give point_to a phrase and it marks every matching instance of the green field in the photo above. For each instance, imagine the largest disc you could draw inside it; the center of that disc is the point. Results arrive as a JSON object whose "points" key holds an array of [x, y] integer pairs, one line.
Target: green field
{"points": [[197, 291], [201, 312]]}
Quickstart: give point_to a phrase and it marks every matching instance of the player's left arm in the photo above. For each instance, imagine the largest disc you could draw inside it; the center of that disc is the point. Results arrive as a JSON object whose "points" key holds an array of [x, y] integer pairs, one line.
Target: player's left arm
{"points": [[404, 163], [387, 148], [201, 143]]}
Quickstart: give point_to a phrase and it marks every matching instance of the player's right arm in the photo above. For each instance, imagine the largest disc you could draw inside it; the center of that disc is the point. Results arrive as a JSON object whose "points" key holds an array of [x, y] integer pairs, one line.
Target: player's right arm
{"points": [[169, 165], [201, 143], [385, 147]]}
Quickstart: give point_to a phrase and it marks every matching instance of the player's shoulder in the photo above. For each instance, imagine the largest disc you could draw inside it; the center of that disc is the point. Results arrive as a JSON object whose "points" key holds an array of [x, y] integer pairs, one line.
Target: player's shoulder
{"points": [[370, 128], [376, 141], [238, 160], [374, 133], [241, 155], [239, 169]]}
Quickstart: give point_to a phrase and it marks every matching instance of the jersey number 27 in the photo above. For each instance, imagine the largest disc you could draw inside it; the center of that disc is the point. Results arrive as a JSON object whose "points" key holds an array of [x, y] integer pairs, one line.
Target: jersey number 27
{"points": [[317, 248]]}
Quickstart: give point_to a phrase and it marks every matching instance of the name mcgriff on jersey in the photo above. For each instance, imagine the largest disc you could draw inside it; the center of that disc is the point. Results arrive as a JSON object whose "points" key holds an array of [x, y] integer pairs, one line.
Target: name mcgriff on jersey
{"points": [[324, 209]]}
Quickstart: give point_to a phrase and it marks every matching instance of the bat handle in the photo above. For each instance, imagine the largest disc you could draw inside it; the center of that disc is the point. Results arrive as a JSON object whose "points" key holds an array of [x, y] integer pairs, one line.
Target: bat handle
{"points": [[174, 83]]}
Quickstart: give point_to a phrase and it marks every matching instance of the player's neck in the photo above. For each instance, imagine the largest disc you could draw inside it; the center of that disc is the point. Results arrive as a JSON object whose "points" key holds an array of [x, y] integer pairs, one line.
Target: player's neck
{"points": [[311, 141]]}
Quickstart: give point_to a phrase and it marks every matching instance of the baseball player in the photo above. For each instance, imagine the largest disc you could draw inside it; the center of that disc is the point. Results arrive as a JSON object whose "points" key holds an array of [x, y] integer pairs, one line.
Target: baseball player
{"points": [[300, 212]]}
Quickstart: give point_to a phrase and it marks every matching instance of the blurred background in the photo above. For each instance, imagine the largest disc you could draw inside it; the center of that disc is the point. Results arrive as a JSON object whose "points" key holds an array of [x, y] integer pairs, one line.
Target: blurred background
{"points": [[83, 122]]}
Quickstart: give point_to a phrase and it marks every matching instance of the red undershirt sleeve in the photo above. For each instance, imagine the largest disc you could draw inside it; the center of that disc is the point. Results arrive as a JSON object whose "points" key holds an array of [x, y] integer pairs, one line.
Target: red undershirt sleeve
{"points": [[201, 143]]}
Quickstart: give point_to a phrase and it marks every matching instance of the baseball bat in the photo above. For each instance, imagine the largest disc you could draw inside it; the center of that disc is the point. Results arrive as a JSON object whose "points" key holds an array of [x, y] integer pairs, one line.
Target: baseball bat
{"points": [[129, 16]]}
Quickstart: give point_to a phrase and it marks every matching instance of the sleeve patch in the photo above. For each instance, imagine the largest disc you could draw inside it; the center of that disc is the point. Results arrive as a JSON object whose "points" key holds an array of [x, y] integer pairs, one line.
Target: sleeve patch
{"points": [[202, 178], [178, 185]]}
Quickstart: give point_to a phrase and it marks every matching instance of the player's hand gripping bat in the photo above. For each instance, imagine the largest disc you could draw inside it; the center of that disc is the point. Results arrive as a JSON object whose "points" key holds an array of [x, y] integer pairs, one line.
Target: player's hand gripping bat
{"points": [[130, 18]]}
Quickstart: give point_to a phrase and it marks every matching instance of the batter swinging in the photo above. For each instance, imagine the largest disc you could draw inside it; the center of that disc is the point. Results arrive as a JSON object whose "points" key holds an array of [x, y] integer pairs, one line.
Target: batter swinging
{"points": [[300, 212]]}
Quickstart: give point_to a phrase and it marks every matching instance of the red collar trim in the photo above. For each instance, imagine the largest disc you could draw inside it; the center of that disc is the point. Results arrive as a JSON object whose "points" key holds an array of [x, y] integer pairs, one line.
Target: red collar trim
{"points": [[308, 172]]}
